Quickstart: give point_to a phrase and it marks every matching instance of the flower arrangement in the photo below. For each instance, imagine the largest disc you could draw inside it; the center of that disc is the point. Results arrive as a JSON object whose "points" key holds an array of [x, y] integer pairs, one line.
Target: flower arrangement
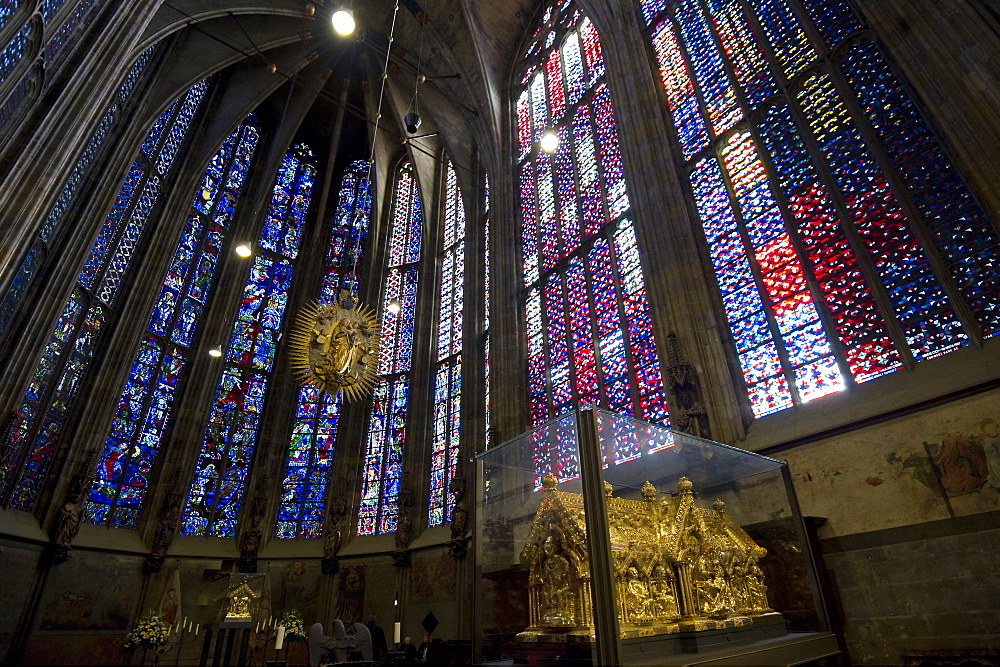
{"points": [[295, 629], [149, 633]]}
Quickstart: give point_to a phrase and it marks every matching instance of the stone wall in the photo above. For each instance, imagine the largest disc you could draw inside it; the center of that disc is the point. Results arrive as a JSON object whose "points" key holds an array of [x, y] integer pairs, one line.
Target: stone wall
{"points": [[912, 507]]}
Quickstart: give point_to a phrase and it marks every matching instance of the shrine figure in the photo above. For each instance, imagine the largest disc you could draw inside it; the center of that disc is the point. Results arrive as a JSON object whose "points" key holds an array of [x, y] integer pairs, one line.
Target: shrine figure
{"points": [[239, 602], [558, 597], [662, 593], [637, 599]]}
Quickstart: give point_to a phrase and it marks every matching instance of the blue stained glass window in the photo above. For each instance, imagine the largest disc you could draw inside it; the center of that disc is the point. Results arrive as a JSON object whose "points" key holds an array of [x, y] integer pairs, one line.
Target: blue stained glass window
{"points": [[223, 464], [311, 445], [33, 433], [382, 466], [145, 408]]}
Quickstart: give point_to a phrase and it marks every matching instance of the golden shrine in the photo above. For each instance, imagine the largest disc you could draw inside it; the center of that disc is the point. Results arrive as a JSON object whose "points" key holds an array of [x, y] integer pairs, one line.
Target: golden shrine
{"points": [[677, 567]]}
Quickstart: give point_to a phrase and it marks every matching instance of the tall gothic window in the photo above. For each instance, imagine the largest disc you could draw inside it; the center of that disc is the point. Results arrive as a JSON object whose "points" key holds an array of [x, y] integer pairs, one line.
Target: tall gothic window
{"points": [[844, 242], [34, 47], [590, 334], [448, 368], [311, 446], [32, 262], [383, 463], [227, 449], [33, 432], [144, 409]]}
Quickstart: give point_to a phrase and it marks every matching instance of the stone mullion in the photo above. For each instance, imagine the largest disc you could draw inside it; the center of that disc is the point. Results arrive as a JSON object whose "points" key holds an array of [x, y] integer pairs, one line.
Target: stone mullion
{"points": [[829, 182]]}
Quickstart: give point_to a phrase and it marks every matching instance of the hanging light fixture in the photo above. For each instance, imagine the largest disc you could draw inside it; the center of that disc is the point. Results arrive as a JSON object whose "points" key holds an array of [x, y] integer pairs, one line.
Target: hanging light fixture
{"points": [[243, 250], [215, 351], [343, 21]]}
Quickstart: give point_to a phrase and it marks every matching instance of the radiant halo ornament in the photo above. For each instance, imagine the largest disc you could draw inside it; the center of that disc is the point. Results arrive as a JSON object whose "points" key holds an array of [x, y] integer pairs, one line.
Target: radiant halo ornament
{"points": [[334, 346]]}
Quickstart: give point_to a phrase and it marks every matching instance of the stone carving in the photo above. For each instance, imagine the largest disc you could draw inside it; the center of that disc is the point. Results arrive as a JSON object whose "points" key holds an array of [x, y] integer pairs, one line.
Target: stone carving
{"points": [[170, 515], [332, 537], [67, 524], [687, 412], [250, 541]]}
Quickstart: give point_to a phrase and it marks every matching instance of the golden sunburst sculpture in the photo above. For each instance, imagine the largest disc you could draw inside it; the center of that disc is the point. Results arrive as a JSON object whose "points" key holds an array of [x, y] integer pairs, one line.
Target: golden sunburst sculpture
{"points": [[334, 346]]}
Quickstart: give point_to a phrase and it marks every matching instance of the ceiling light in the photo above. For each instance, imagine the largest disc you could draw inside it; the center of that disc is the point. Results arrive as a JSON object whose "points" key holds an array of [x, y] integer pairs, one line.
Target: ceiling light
{"points": [[550, 141], [343, 21], [393, 306], [243, 250], [215, 352]]}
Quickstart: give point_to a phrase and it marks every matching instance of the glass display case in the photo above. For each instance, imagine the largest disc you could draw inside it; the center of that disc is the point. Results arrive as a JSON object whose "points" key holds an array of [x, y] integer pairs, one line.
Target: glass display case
{"points": [[606, 540]]}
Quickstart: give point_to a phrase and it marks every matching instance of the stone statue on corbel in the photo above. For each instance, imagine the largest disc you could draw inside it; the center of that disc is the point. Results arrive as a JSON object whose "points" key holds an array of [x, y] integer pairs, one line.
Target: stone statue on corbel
{"points": [[404, 525], [330, 564], [251, 539], [458, 547], [67, 524], [687, 414], [170, 515]]}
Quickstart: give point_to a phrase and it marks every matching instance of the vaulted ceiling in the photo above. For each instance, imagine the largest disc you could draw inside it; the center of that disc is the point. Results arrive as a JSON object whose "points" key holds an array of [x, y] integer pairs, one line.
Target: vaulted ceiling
{"points": [[464, 48]]}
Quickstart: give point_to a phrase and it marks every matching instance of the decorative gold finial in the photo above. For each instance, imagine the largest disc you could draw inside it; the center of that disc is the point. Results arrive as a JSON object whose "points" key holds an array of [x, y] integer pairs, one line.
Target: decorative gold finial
{"points": [[608, 489], [549, 481], [684, 486], [719, 506], [648, 491]]}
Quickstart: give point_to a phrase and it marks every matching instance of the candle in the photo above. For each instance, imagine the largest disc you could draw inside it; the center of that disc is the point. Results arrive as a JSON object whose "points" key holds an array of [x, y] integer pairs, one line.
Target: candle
{"points": [[196, 629], [280, 641], [395, 632], [169, 628]]}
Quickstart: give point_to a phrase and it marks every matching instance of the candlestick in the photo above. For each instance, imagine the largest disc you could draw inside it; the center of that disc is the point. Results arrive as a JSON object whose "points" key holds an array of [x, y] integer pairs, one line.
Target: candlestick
{"points": [[280, 641]]}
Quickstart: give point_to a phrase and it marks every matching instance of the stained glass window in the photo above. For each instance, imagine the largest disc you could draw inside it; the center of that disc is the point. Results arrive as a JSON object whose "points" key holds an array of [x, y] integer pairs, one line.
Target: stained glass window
{"points": [[234, 418], [589, 327], [311, 446], [33, 432], [807, 227], [382, 467], [147, 400], [448, 373]]}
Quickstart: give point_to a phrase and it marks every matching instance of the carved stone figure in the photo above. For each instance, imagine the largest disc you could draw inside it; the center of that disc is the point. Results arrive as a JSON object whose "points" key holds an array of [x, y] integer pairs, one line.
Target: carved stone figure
{"points": [[403, 529]]}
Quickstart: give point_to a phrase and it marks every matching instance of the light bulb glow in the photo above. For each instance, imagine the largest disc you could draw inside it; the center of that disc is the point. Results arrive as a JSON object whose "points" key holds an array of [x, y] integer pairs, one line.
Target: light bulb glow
{"points": [[549, 141], [392, 306], [243, 250], [343, 22], [215, 351]]}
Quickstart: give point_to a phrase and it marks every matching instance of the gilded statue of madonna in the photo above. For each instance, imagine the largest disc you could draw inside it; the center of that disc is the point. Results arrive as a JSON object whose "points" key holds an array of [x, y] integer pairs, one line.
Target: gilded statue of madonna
{"points": [[335, 346]]}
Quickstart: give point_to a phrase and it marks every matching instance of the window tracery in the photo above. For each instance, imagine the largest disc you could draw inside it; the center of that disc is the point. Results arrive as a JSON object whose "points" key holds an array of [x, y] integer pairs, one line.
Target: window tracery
{"points": [[33, 432]]}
